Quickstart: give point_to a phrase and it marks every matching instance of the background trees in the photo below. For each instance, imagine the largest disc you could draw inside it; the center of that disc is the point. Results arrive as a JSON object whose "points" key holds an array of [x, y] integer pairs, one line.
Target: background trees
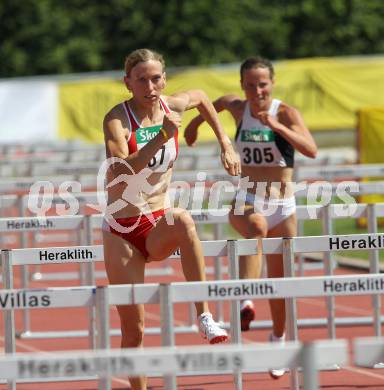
{"points": [[55, 37]]}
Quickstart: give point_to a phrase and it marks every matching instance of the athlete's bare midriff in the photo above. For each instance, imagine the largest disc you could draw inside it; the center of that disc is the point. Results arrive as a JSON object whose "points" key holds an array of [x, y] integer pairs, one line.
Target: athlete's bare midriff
{"points": [[278, 180], [144, 202]]}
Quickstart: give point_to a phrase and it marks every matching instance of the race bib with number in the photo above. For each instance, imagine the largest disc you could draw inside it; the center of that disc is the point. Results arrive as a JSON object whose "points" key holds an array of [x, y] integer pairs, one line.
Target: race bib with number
{"points": [[260, 146], [164, 156], [257, 147]]}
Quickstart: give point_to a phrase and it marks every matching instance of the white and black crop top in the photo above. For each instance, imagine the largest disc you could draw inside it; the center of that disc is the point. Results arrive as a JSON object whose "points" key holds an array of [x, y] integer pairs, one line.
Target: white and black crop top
{"points": [[259, 145]]}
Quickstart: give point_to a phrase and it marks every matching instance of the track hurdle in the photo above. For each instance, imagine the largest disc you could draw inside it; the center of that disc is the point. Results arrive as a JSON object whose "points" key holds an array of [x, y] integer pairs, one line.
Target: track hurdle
{"points": [[175, 361], [303, 287], [319, 244], [338, 172], [7, 203], [32, 150], [23, 257], [230, 290], [75, 202], [327, 214], [22, 185], [32, 224], [88, 255], [234, 290], [39, 298]]}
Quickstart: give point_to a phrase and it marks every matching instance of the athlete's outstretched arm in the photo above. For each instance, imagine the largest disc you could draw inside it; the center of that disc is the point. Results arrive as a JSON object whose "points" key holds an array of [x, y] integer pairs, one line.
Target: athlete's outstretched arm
{"points": [[198, 99], [231, 103], [291, 126]]}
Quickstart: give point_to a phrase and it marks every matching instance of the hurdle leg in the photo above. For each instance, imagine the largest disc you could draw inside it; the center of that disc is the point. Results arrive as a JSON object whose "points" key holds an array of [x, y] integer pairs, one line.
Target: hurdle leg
{"points": [[218, 272], [1, 216], [290, 304], [102, 321], [235, 326], [26, 317], [90, 280], [167, 331], [309, 359], [328, 268], [9, 315], [374, 269], [300, 257]]}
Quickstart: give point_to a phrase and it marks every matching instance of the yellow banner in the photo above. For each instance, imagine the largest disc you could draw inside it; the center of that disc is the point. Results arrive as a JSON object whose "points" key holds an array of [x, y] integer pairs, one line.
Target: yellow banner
{"points": [[83, 105], [370, 146], [371, 135], [327, 91]]}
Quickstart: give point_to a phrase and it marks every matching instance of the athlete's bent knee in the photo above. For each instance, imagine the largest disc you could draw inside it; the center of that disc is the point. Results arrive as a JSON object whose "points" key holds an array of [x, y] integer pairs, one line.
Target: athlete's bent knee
{"points": [[132, 338], [184, 221], [257, 229]]}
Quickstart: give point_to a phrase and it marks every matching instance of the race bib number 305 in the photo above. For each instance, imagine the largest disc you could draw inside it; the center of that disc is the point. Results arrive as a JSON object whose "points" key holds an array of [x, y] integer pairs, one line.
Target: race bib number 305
{"points": [[257, 146]]}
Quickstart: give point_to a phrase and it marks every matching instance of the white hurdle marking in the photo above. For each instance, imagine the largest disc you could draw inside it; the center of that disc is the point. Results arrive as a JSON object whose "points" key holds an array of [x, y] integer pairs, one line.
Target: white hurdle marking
{"points": [[57, 255], [368, 351], [53, 297]]}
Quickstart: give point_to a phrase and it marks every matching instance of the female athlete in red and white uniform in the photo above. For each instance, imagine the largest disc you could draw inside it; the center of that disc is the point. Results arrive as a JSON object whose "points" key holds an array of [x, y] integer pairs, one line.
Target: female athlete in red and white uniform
{"points": [[268, 133], [141, 135]]}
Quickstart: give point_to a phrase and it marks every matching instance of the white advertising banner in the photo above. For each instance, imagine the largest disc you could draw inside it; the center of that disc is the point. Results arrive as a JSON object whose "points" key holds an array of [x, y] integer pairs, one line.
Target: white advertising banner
{"points": [[28, 110]]}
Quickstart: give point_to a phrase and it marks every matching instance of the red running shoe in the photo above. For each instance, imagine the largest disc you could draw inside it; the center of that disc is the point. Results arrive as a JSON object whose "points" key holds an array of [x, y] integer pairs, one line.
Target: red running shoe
{"points": [[247, 314]]}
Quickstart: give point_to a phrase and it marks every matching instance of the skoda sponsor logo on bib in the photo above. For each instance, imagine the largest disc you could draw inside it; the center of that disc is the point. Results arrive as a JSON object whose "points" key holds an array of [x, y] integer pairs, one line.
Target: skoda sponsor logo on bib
{"points": [[255, 135], [145, 134]]}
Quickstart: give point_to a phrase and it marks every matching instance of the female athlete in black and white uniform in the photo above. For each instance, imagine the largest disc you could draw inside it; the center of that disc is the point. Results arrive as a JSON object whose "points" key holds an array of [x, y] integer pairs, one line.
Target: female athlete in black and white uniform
{"points": [[268, 133]]}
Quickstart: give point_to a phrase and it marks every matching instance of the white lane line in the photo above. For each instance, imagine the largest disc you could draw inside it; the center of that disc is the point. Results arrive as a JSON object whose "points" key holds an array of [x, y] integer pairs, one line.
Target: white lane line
{"points": [[347, 309], [23, 346], [364, 372]]}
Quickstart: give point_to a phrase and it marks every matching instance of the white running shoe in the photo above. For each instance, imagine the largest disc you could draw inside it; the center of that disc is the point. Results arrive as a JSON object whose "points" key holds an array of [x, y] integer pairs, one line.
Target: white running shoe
{"points": [[210, 330], [277, 373]]}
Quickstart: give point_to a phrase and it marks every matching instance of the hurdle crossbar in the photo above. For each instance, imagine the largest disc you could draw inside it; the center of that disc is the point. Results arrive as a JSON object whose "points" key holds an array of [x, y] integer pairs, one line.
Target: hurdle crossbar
{"points": [[202, 360]]}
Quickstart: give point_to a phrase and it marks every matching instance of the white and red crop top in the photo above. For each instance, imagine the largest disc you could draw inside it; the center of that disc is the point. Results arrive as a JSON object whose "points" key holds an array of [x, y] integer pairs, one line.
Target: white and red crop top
{"points": [[140, 136], [258, 145]]}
